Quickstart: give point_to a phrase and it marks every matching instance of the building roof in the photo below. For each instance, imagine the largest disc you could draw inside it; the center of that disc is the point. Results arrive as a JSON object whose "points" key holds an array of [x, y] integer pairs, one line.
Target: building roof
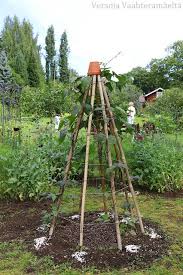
{"points": [[157, 90]]}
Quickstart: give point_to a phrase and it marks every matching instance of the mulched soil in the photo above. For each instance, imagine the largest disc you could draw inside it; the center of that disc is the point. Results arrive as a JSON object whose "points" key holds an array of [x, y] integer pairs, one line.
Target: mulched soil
{"points": [[173, 195], [167, 194], [19, 222]]}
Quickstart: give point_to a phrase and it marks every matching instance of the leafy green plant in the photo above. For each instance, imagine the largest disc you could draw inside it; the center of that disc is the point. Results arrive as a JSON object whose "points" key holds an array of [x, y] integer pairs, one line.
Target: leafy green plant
{"points": [[167, 110], [128, 225], [158, 163], [34, 169], [104, 217]]}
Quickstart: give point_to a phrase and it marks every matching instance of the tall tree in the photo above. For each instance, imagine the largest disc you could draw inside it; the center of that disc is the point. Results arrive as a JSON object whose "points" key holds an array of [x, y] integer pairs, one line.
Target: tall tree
{"points": [[174, 63], [142, 79], [158, 73], [18, 41], [63, 58], [20, 65], [33, 70], [165, 73], [50, 54], [5, 72]]}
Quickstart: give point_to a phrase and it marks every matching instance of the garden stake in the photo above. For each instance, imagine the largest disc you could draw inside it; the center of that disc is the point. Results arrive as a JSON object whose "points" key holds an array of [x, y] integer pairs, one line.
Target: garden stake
{"points": [[122, 172], [110, 165], [102, 174], [101, 169], [86, 161], [123, 157], [68, 165]]}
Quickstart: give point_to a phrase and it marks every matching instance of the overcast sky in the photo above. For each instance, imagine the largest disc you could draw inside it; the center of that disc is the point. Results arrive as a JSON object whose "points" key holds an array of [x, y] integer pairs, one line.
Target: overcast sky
{"points": [[98, 32]]}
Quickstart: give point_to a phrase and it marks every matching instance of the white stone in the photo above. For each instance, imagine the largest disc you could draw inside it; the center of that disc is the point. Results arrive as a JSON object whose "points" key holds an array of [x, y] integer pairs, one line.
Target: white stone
{"points": [[132, 248], [126, 220], [42, 228], [40, 242], [75, 217], [153, 234], [79, 256]]}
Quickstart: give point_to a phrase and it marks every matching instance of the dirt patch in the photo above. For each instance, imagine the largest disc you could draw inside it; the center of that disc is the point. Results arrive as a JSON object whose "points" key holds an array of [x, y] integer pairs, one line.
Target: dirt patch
{"points": [[22, 221], [96, 182], [173, 195], [166, 194]]}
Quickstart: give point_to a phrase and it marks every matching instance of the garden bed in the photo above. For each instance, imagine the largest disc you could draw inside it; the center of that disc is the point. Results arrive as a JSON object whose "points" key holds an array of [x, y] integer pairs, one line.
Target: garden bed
{"points": [[22, 222]]}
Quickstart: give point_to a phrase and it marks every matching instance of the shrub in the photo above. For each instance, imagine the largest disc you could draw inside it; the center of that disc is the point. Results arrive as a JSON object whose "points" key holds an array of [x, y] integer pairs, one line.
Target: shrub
{"points": [[31, 170], [167, 109], [164, 123], [4, 153], [158, 164], [48, 100]]}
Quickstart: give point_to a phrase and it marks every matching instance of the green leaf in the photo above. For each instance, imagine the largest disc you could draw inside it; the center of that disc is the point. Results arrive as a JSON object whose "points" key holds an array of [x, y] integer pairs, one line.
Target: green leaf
{"points": [[82, 150], [61, 183], [88, 108], [83, 124], [101, 137], [53, 197], [54, 210], [109, 86], [62, 122], [112, 140], [12, 180], [126, 205], [85, 82], [76, 110], [120, 110], [63, 134]]}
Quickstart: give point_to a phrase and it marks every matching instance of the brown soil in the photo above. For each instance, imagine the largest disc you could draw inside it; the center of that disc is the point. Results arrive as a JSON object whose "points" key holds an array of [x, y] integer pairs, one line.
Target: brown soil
{"points": [[170, 194], [167, 194], [19, 222]]}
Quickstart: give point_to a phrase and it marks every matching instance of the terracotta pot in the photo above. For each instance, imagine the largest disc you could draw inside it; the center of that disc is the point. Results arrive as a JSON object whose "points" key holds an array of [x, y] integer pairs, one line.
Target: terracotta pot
{"points": [[94, 68]]}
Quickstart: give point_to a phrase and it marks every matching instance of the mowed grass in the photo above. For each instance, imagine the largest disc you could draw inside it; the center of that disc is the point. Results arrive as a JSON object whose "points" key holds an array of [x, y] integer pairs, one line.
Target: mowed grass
{"points": [[15, 259]]}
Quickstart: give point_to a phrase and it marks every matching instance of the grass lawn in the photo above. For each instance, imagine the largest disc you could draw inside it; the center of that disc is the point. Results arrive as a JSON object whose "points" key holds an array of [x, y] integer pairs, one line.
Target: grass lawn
{"points": [[15, 259]]}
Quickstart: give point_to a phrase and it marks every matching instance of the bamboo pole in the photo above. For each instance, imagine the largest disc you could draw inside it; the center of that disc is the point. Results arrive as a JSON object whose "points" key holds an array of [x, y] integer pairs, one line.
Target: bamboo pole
{"points": [[68, 165], [100, 155], [102, 174], [122, 174], [86, 162], [110, 165], [123, 157]]}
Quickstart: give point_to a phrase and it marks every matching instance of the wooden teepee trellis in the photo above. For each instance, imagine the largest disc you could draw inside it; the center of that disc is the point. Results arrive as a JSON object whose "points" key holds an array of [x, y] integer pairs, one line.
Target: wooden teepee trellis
{"points": [[97, 91]]}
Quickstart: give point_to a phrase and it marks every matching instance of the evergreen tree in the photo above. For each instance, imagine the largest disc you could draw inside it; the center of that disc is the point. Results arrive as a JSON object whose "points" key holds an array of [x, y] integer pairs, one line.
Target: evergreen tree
{"points": [[33, 70], [20, 66], [5, 72], [50, 54], [47, 70], [19, 41], [63, 59]]}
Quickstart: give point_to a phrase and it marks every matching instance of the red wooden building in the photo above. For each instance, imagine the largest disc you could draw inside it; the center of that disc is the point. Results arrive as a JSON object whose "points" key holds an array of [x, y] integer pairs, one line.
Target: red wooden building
{"points": [[153, 95]]}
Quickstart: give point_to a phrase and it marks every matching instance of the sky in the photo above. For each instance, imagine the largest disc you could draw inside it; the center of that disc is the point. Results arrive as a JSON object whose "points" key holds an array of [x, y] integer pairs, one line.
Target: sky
{"points": [[98, 29]]}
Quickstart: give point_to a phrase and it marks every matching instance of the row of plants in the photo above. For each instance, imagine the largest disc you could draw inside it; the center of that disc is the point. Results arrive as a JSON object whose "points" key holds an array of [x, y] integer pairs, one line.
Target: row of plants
{"points": [[30, 168], [167, 111], [33, 170], [156, 163]]}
